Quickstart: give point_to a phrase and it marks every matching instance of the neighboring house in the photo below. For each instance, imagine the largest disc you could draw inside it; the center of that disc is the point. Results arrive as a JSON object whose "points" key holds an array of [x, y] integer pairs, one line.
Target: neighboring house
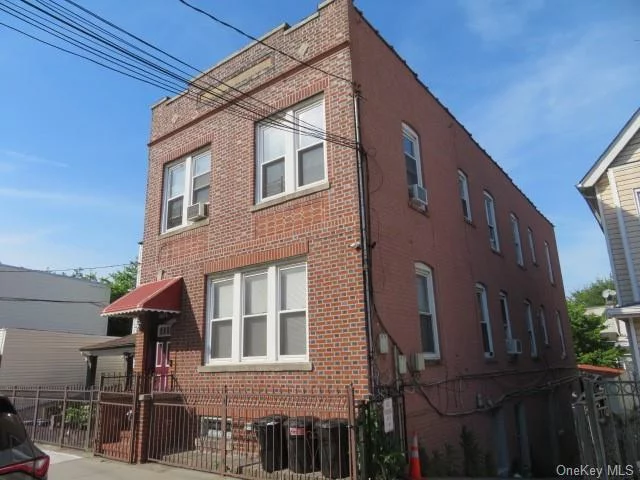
{"points": [[614, 331], [45, 319], [612, 191], [316, 263]]}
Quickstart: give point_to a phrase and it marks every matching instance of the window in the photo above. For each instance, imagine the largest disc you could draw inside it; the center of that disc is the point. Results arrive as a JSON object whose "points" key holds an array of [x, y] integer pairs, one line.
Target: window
{"points": [[532, 246], [542, 317], [411, 147], [211, 427], [504, 312], [489, 207], [427, 312], [530, 329], [485, 321], [549, 268], [515, 229], [288, 161], [463, 190], [186, 182], [258, 315], [563, 345]]}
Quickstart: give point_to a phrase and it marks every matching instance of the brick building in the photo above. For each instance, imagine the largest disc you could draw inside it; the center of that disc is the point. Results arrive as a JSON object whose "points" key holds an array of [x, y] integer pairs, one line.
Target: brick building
{"points": [[318, 263]]}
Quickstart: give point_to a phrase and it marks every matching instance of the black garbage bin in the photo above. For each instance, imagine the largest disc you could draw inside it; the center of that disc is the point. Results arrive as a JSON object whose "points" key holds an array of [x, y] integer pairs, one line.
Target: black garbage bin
{"points": [[273, 449], [303, 449], [333, 437]]}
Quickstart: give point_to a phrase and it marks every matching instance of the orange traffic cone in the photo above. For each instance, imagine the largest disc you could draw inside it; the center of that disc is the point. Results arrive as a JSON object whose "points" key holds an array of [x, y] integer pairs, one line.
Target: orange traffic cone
{"points": [[414, 460]]}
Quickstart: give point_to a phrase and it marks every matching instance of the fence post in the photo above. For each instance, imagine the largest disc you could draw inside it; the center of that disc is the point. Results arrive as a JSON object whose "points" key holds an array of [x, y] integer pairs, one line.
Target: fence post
{"points": [[87, 436], [35, 413], [352, 433], [134, 420], [13, 395], [595, 427], [64, 416], [223, 421]]}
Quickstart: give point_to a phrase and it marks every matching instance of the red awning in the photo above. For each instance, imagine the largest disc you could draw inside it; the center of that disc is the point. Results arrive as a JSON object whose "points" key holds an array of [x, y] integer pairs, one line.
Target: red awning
{"points": [[162, 296]]}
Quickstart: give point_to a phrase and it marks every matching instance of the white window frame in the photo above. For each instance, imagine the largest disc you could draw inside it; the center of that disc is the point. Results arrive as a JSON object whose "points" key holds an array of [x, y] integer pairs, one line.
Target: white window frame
{"points": [[485, 320], [410, 134], [188, 188], [273, 316], [563, 344], [492, 222], [422, 270], [542, 317], [517, 241], [463, 186], [531, 331], [292, 148], [505, 315], [532, 246], [547, 252]]}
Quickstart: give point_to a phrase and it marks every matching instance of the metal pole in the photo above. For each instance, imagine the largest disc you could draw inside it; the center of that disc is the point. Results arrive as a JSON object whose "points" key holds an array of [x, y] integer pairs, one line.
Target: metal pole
{"points": [[90, 422], [35, 413], [352, 434], [223, 421], [64, 416]]}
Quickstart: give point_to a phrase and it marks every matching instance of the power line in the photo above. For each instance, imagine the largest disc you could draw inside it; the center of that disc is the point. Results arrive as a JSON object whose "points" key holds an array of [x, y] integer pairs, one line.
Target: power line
{"points": [[255, 39], [51, 300]]}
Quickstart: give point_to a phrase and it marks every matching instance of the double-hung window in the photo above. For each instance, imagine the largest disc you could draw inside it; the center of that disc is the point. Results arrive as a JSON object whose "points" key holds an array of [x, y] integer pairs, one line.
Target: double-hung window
{"points": [[517, 243], [543, 326], [427, 312], [490, 210], [532, 246], [463, 191], [258, 315], [485, 320], [530, 329], [547, 253], [290, 151], [504, 313], [186, 182], [563, 345], [411, 147]]}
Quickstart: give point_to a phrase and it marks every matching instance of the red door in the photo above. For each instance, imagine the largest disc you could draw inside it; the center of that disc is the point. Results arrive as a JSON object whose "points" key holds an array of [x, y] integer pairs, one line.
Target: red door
{"points": [[161, 373]]}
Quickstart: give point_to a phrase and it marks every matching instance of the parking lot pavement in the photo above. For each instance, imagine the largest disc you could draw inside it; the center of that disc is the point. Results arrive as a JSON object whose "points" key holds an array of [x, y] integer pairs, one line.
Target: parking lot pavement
{"points": [[69, 465]]}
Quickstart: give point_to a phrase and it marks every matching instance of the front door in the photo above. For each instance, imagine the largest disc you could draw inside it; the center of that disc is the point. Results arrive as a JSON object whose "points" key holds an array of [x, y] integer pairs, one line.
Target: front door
{"points": [[161, 371]]}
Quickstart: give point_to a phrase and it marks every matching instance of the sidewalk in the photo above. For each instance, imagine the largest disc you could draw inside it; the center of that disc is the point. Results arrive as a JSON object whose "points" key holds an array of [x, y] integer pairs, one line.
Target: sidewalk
{"points": [[73, 465]]}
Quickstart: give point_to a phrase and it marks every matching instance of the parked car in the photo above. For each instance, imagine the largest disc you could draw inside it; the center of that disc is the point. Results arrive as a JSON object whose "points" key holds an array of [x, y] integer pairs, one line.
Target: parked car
{"points": [[20, 459]]}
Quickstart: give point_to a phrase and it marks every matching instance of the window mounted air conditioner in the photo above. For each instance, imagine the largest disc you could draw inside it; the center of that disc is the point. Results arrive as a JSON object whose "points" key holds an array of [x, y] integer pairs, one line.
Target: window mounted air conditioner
{"points": [[514, 346], [417, 362], [418, 195], [197, 211]]}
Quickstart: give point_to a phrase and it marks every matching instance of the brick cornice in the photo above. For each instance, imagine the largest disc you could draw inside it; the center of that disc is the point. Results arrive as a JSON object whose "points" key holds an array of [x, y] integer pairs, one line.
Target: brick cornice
{"points": [[187, 148], [232, 262]]}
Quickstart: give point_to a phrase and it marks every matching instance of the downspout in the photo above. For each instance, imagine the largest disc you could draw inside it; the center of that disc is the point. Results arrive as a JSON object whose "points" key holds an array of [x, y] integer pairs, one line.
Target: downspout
{"points": [[364, 242]]}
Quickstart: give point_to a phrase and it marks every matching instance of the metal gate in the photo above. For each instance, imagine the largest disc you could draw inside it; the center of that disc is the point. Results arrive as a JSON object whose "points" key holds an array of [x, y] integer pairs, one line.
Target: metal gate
{"points": [[116, 419]]}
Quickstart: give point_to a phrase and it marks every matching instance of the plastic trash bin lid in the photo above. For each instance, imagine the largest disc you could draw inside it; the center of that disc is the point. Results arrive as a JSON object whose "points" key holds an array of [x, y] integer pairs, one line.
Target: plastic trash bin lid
{"points": [[269, 420], [333, 423], [300, 422]]}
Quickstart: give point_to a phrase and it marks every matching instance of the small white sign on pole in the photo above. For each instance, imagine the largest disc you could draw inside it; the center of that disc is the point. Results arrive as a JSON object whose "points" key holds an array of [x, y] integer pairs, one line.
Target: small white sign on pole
{"points": [[387, 413]]}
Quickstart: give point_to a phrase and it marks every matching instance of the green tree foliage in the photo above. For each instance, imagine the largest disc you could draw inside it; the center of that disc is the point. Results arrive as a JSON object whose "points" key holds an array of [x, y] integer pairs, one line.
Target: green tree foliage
{"points": [[590, 347]]}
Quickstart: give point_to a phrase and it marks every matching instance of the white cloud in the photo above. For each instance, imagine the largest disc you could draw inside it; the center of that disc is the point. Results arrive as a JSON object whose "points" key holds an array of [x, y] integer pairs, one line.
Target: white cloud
{"points": [[10, 156], [499, 20]]}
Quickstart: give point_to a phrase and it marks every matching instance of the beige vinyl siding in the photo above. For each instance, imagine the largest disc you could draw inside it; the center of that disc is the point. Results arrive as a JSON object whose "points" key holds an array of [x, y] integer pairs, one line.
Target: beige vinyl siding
{"points": [[110, 365], [630, 153], [609, 215], [35, 357]]}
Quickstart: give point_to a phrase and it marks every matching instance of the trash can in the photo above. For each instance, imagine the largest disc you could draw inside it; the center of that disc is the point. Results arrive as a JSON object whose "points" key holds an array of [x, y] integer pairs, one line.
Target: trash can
{"points": [[303, 449], [333, 437], [273, 449]]}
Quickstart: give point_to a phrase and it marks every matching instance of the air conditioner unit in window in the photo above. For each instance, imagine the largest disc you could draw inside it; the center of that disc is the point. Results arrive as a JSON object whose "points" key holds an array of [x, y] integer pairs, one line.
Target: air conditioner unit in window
{"points": [[197, 211], [418, 195], [417, 362], [514, 346]]}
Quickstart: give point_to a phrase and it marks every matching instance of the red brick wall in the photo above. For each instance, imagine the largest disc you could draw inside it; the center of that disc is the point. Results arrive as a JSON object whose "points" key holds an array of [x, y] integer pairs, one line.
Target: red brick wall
{"points": [[458, 252], [319, 226]]}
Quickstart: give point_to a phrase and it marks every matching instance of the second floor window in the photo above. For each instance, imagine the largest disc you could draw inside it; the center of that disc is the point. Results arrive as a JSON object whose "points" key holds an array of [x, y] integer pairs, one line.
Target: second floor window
{"points": [[186, 182], [517, 243], [547, 253], [563, 345], [532, 246], [485, 321], [543, 326], [490, 210], [427, 312], [504, 312], [463, 190], [289, 158], [411, 147], [530, 329]]}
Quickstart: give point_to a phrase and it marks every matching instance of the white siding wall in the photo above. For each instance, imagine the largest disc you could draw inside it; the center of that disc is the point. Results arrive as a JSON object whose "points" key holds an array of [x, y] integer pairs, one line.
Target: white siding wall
{"points": [[109, 366], [60, 317], [630, 153], [33, 357]]}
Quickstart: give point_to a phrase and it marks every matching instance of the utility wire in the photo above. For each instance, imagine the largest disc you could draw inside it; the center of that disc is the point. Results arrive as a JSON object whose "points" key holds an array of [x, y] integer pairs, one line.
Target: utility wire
{"points": [[68, 269], [255, 39], [50, 300]]}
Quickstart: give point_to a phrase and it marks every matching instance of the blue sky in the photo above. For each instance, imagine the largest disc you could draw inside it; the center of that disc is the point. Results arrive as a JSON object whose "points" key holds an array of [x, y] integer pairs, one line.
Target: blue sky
{"points": [[542, 85]]}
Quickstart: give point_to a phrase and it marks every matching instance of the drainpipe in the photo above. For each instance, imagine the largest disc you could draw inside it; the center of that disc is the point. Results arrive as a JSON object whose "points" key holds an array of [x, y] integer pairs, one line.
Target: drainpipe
{"points": [[135, 325], [364, 243]]}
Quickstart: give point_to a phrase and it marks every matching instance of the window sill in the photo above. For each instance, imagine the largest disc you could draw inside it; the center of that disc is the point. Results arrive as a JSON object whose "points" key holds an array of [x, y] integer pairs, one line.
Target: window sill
{"points": [[186, 228], [421, 209], [291, 196], [258, 367], [491, 359], [497, 252], [469, 222]]}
